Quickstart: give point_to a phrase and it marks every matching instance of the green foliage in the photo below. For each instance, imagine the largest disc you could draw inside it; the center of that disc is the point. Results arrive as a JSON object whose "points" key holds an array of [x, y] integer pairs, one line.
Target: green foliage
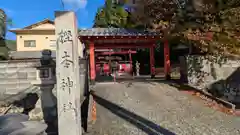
{"points": [[2, 24], [221, 17], [11, 45], [5, 47], [113, 15], [4, 21], [225, 27]]}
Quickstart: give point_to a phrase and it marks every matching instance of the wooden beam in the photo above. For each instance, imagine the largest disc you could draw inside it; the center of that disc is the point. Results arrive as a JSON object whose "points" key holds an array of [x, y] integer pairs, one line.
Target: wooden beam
{"points": [[121, 52], [118, 45]]}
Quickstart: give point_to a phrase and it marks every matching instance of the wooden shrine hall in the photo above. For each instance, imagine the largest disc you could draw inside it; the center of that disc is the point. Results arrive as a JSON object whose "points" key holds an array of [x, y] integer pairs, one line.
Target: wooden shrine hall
{"points": [[119, 38]]}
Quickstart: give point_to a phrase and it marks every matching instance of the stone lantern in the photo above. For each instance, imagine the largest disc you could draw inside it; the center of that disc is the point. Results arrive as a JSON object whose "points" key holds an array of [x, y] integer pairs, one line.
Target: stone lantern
{"points": [[137, 68]]}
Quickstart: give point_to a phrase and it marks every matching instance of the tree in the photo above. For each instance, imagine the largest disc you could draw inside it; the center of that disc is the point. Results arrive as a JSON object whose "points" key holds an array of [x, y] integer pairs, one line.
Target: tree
{"points": [[179, 18], [4, 21], [2, 24], [113, 15], [221, 17]]}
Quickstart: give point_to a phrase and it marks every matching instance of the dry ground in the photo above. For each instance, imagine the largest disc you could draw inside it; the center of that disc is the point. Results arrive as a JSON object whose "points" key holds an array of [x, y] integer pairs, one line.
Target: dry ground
{"points": [[141, 108]]}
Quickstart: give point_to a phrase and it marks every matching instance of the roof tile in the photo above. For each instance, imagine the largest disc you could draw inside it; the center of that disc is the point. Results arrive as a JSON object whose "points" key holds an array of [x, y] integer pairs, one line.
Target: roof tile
{"points": [[116, 32]]}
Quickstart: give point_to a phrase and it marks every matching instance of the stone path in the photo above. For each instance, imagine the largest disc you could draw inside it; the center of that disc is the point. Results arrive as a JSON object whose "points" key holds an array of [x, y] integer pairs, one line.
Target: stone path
{"points": [[142, 108]]}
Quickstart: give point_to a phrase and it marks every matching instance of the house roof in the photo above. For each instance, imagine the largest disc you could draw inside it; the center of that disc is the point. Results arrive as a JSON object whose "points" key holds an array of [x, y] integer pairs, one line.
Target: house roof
{"points": [[119, 35], [30, 27], [39, 23]]}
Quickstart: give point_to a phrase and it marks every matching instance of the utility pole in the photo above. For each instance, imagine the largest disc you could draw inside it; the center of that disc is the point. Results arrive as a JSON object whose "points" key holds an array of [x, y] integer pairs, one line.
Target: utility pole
{"points": [[68, 82]]}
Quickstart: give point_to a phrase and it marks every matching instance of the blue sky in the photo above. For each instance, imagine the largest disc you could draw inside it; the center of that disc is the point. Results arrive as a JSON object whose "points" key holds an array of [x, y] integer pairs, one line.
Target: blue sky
{"points": [[27, 12]]}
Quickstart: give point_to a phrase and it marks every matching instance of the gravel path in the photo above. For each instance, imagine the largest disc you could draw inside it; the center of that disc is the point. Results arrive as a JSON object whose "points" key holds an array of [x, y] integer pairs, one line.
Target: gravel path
{"points": [[156, 108]]}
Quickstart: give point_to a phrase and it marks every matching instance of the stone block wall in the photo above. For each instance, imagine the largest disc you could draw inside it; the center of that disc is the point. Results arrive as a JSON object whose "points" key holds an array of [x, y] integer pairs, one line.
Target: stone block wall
{"points": [[18, 78], [220, 76]]}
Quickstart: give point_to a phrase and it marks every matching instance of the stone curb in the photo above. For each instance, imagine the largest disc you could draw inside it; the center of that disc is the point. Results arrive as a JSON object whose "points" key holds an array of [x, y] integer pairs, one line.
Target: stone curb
{"points": [[228, 107]]}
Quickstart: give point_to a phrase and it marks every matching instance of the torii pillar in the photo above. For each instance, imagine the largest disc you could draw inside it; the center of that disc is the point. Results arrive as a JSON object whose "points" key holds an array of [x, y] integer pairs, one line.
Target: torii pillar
{"points": [[92, 62], [152, 61], [167, 66]]}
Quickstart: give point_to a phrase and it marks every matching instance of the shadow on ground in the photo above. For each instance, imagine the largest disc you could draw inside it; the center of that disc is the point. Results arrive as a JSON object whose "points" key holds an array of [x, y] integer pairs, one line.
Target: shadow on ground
{"points": [[84, 114], [183, 87], [138, 121], [28, 103]]}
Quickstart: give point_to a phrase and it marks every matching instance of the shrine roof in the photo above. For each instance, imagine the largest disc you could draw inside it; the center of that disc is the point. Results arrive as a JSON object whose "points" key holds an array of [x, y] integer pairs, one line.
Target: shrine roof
{"points": [[116, 32]]}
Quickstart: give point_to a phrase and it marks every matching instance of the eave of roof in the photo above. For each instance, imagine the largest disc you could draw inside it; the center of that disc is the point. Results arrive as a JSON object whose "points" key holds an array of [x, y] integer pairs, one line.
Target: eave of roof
{"points": [[29, 30], [118, 35], [39, 23], [116, 32]]}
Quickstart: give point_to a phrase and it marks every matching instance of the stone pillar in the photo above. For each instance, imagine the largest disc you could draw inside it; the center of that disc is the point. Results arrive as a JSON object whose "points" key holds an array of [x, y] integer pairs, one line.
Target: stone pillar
{"points": [[137, 68], [48, 91], [183, 69], [80, 49], [68, 86], [49, 104]]}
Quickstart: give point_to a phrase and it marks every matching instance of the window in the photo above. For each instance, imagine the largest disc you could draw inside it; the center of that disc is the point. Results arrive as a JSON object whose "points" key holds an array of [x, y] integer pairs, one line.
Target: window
{"points": [[52, 43], [29, 43], [44, 73]]}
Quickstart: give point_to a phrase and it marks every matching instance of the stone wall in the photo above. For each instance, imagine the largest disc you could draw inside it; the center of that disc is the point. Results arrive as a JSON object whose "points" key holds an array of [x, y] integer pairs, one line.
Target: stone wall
{"points": [[18, 78], [220, 77]]}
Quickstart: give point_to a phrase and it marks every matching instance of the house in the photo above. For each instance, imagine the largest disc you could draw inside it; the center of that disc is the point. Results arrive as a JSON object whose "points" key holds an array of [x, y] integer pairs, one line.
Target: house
{"points": [[36, 37], [33, 39]]}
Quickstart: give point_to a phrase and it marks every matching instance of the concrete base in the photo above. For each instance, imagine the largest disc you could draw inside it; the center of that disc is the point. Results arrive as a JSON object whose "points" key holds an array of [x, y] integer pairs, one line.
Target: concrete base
{"points": [[184, 79], [168, 77], [92, 82], [90, 105], [152, 76]]}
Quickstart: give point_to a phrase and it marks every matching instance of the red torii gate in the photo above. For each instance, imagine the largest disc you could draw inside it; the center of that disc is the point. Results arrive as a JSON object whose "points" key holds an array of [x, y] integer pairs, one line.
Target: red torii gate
{"points": [[110, 38]]}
